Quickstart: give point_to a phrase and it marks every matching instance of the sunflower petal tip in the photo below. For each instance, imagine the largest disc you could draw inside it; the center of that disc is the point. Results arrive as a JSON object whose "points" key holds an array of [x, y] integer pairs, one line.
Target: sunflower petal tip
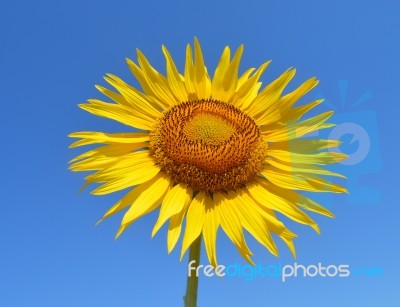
{"points": [[154, 232], [84, 187], [316, 228], [120, 231]]}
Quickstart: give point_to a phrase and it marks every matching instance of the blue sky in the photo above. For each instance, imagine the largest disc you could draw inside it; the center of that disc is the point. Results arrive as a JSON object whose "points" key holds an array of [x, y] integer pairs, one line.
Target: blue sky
{"points": [[51, 55]]}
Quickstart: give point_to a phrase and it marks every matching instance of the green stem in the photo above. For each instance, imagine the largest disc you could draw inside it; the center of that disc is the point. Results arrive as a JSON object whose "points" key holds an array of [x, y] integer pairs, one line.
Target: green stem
{"points": [[193, 281]]}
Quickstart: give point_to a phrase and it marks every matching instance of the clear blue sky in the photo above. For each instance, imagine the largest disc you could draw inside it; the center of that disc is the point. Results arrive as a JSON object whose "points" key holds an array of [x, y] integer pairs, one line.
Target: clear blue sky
{"points": [[51, 55]]}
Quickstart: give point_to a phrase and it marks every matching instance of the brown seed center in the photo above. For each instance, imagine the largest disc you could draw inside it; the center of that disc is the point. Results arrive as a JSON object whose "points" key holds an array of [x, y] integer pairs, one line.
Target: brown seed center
{"points": [[209, 145]]}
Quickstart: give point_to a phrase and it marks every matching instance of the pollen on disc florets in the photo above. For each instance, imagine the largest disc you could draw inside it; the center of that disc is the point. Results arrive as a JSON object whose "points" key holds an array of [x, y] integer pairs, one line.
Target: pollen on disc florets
{"points": [[209, 145]]}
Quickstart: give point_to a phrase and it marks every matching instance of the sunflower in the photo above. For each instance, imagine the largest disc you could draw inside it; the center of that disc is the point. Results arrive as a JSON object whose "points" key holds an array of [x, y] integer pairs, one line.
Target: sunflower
{"points": [[214, 152]]}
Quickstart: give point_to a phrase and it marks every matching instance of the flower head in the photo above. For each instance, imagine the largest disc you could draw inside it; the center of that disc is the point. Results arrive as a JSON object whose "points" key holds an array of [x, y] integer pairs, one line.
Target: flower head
{"points": [[218, 152]]}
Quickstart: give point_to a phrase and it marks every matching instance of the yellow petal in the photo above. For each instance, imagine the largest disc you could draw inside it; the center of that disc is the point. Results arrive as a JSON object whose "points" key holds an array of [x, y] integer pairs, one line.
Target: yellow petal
{"points": [[210, 228], [174, 228], [305, 182], [232, 226], [93, 137], [265, 103], [149, 199], [110, 151], [260, 193], [223, 64], [290, 99], [118, 98], [299, 112], [296, 129], [174, 202], [134, 169], [290, 245], [175, 81], [202, 79], [301, 168], [118, 113], [148, 87], [194, 221], [304, 146], [190, 74], [301, 200], [244, 77], [156, 81], [272, 222], [310, 205], [129, 198], [248, 91], [131, 97], [230, 79], [146, 173], [321, 158], [252, 221], [95, 159], [123, 166]]}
